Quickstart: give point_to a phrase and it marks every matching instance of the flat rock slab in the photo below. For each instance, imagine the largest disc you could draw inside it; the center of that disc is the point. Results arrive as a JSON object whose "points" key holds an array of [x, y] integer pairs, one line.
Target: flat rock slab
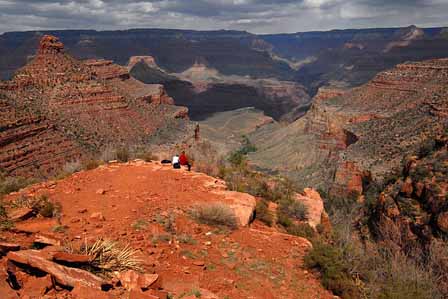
{"points": [[7, 247], [47, 240], [71, 258], [64, 275], [20, 214]]}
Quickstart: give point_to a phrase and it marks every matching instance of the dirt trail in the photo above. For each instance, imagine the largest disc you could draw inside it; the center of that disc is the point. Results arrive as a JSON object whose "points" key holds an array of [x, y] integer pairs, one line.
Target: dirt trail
{"points": [[147, 206]]}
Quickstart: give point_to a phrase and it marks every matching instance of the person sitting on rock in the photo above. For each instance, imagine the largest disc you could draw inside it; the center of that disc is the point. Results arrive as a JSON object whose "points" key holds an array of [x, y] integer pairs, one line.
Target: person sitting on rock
{"points": [[175, 162], [183, 160]]}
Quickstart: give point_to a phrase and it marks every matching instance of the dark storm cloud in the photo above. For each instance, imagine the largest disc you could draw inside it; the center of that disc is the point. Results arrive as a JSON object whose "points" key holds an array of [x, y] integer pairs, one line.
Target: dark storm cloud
{"points": [[252, 15]]}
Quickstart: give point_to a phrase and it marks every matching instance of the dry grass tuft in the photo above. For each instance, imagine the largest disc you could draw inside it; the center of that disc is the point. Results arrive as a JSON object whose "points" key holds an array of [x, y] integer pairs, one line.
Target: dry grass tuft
{"points": [[216, 214], [110, 256]]}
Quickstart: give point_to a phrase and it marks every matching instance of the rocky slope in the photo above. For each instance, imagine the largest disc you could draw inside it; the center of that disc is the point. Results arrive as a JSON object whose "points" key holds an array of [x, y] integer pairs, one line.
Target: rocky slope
{"points": [[363, 134], [57, 108], [411, 210], [180, 257], [204, 90]]}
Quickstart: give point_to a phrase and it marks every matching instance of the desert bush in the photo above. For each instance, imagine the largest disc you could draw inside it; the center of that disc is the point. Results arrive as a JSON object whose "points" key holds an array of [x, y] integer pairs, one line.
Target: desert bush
{"points": [[5, 223], [284, 219], [122, 154], [140, 224], [263, 213], [284, 189], [9, 184], [247, 147], [438, 263], [303, 230], [47, 209], [167, 222], [186, 239], [108, 154], [335, 274], [352, 268], [91, 164], [404, 278], [72, 167], [41, 205], [256, 185], [204, 158], [215, 214], [237, 159], [426, 148], [108, 256], [294, 209]]}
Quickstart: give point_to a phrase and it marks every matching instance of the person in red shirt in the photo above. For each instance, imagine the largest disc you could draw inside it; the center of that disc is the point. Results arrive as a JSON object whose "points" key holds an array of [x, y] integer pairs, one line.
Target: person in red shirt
{"points": [[183, 160]]}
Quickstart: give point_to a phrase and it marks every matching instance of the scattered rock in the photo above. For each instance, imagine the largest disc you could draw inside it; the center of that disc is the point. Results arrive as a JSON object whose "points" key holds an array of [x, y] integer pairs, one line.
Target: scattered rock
{"points": [[132, 280], [101, 191], [138, 294], [63, 275], [36, 287], [98, 216], [20, 214], [199, 263], [80, 291]]}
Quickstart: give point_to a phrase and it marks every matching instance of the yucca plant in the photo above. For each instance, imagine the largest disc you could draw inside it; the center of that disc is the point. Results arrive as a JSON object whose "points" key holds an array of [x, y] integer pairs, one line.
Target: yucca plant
{"points": [[110, 256]]}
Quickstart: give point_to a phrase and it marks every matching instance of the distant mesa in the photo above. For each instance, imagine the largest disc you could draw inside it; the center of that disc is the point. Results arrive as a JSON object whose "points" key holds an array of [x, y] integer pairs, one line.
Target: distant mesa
{"points": [[148, 60]]}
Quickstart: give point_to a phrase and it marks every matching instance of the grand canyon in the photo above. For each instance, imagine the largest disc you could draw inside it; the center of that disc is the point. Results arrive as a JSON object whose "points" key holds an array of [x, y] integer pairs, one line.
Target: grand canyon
{"points": [[319, 163]]}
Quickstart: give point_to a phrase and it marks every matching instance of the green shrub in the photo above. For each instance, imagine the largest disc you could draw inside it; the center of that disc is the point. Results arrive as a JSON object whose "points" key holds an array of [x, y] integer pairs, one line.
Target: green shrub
{"points": [[303, 230], [263, 213], [426, 148], [237, 159], [283, 219], [247, 146], [329, 260], [294, 209], [215, 214]]}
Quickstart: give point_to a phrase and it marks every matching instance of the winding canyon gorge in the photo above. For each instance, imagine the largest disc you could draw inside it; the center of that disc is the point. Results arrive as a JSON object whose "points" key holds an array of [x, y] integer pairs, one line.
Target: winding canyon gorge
{"points": [[319, 164]]}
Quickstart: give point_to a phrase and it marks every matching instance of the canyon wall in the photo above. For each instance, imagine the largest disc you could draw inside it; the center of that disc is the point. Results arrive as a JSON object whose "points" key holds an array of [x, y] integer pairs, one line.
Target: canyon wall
{"points": [[77, 108]]}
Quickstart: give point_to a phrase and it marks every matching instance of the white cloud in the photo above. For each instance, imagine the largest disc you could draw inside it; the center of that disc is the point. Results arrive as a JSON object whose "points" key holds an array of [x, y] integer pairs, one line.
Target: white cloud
{"points": [[258, 16]]}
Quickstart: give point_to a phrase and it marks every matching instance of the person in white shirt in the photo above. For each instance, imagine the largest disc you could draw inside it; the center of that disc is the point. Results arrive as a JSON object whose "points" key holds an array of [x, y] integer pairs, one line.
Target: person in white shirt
{"points": [[175, 162]]}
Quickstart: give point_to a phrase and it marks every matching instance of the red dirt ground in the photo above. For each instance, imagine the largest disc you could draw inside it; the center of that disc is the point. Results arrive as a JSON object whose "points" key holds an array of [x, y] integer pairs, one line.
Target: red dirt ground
{"points": [[137, 200]]}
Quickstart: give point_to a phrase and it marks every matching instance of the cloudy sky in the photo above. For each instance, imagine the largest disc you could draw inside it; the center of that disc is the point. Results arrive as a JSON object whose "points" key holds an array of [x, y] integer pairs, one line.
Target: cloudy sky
{"points": [[257, 16]]}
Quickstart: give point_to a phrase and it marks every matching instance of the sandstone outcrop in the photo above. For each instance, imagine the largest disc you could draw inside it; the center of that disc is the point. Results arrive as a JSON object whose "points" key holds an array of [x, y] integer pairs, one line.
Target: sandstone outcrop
{"points": [[66, 276], [57, 109]]}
